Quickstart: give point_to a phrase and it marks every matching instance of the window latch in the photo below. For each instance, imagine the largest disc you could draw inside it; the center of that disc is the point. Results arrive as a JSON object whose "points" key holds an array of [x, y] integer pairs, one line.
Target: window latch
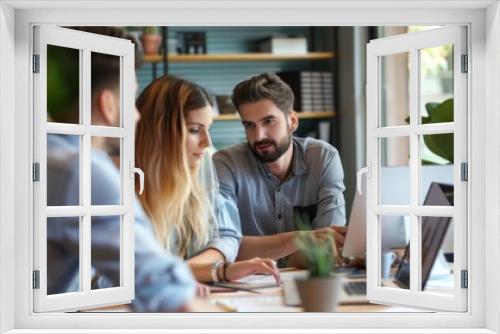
{"points": [[365, 170], [135, 170]]}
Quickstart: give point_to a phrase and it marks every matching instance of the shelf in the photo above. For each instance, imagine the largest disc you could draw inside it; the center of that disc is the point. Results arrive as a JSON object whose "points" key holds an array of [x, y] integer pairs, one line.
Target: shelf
{"points": [[302, 115], [189, 58]]}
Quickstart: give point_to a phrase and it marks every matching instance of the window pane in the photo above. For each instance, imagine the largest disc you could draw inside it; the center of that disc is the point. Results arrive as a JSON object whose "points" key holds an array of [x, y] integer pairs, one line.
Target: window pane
{"points": [[63, 259], [63, 84], [394, 102], [105, 251], [394, 178], [436, 163], [437, 254], [106, 157], [436, 84], [63, 170], [394, 256], [105, 85]]}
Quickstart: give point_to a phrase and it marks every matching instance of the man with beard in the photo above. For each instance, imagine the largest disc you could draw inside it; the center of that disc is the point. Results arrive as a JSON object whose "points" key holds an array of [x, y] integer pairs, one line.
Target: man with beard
{"points": [[275, 176]]}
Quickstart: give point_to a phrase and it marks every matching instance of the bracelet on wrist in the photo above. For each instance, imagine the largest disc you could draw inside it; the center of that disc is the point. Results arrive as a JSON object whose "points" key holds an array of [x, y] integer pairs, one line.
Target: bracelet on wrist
{"points": [[224, 270], [213, 271], [220, 265]]}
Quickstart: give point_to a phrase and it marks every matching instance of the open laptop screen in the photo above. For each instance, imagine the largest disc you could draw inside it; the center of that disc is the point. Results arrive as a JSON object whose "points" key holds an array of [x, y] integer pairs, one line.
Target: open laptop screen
{"points": [[433, 233]]}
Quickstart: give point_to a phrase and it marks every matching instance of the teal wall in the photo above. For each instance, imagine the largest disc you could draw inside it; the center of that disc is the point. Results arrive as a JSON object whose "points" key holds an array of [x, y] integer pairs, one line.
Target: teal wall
{"points": [[220, 77]]}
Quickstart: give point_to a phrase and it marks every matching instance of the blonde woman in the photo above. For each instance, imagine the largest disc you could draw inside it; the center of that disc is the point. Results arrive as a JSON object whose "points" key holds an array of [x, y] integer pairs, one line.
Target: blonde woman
{"points": [[189, 216]]}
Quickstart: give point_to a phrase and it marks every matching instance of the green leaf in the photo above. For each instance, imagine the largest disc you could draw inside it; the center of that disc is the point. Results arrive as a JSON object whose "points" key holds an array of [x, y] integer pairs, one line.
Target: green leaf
{"points": [[318, 253], [439, 144], [439, 112]]}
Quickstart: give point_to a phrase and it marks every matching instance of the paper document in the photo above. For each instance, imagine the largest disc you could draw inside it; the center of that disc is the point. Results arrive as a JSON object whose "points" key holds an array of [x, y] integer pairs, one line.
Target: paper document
{"points": [[251, 282]]}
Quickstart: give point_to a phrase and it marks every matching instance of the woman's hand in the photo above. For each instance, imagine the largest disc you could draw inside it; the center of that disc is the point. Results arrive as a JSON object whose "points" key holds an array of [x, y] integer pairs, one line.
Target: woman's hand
{"points": [[240, 269]]}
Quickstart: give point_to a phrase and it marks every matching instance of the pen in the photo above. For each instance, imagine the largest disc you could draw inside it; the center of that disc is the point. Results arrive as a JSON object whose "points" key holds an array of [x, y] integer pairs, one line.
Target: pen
{"points": [[225, 307], [238, 288]]}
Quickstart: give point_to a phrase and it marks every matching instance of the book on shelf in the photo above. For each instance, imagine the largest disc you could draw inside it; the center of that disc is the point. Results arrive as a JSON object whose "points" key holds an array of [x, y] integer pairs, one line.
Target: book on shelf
{"points": [[191, 42], [215, 106], [283, 45], [225, 105], [313, 90]]}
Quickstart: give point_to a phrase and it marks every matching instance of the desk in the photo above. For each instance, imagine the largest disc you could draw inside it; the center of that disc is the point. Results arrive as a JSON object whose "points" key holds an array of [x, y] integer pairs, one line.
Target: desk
{"points": [[265, 300], [272, 300]]}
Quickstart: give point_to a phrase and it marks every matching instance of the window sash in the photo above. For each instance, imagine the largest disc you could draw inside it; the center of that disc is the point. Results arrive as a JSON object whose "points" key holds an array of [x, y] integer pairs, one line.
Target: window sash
{"points": [[85, 43], [411, 43]]}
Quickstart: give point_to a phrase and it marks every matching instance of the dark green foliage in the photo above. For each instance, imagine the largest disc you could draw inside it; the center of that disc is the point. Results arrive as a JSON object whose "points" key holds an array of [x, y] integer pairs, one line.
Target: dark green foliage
{"points": [[441, 144], [62, 81]]}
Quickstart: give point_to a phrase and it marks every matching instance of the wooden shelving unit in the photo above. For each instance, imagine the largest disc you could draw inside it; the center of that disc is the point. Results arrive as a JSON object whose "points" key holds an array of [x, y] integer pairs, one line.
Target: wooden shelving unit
{"points": [[309, 61], [302, 115], [193, 58]]}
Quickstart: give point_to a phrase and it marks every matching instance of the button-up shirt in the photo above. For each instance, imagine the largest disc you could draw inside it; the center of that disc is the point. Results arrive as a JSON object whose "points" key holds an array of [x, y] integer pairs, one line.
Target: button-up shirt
{"points": [[267, 206]]}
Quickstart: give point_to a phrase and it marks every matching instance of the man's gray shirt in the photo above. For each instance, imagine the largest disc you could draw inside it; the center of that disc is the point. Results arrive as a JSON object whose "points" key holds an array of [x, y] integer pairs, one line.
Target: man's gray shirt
{"points": [[315, 186]]}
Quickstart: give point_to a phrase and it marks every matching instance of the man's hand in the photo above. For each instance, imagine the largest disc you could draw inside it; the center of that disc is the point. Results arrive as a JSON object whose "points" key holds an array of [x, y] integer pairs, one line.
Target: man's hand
{"points": [[337, 233]]}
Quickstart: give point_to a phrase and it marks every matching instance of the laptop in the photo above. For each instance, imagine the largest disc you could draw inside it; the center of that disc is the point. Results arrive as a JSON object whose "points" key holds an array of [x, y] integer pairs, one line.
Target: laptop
{"points": [[433, 233], [434, 230]]}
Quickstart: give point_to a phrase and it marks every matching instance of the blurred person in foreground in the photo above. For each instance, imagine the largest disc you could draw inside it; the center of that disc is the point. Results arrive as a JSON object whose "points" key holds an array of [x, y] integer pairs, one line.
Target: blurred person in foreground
{"points": [[163, 283]]}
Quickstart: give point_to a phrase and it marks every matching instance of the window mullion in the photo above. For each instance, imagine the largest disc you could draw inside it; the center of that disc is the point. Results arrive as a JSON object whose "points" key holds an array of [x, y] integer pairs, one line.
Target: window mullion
{"points": [[78, 129], [98, 210], [127, 106], [85, 229], [414, 172], [434, 128]]}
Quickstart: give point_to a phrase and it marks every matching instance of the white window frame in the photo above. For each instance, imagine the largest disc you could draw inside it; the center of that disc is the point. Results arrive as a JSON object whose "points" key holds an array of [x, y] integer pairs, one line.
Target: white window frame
{"points": [[16, 20], [85, 43], [456, 299]]}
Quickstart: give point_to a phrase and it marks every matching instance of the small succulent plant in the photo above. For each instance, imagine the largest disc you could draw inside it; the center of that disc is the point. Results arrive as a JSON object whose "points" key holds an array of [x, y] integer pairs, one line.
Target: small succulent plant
{"points": [[317, 251]]}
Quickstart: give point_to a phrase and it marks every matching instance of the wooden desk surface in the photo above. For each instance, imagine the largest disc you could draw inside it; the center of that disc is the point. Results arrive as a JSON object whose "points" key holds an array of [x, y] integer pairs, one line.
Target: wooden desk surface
{"points": [[272, 300], [265, 300]]}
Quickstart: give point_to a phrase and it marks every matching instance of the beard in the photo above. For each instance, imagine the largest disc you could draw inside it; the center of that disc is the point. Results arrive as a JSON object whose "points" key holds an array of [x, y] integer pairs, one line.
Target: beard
{"points": [[271, 155]]}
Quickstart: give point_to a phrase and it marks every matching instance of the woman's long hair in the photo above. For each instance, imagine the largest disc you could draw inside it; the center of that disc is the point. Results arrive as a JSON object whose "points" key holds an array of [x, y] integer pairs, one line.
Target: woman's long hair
{"points": [[173, 198]]}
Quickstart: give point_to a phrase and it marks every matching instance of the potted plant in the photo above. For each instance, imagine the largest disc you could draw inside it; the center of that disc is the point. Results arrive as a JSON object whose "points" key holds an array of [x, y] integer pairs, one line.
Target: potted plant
{"points": [[151, 40], [320, 291]]}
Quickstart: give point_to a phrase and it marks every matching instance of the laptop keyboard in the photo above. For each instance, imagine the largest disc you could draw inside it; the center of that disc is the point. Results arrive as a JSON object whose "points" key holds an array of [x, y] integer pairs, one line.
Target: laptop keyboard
{"points": [[355, 288]]}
